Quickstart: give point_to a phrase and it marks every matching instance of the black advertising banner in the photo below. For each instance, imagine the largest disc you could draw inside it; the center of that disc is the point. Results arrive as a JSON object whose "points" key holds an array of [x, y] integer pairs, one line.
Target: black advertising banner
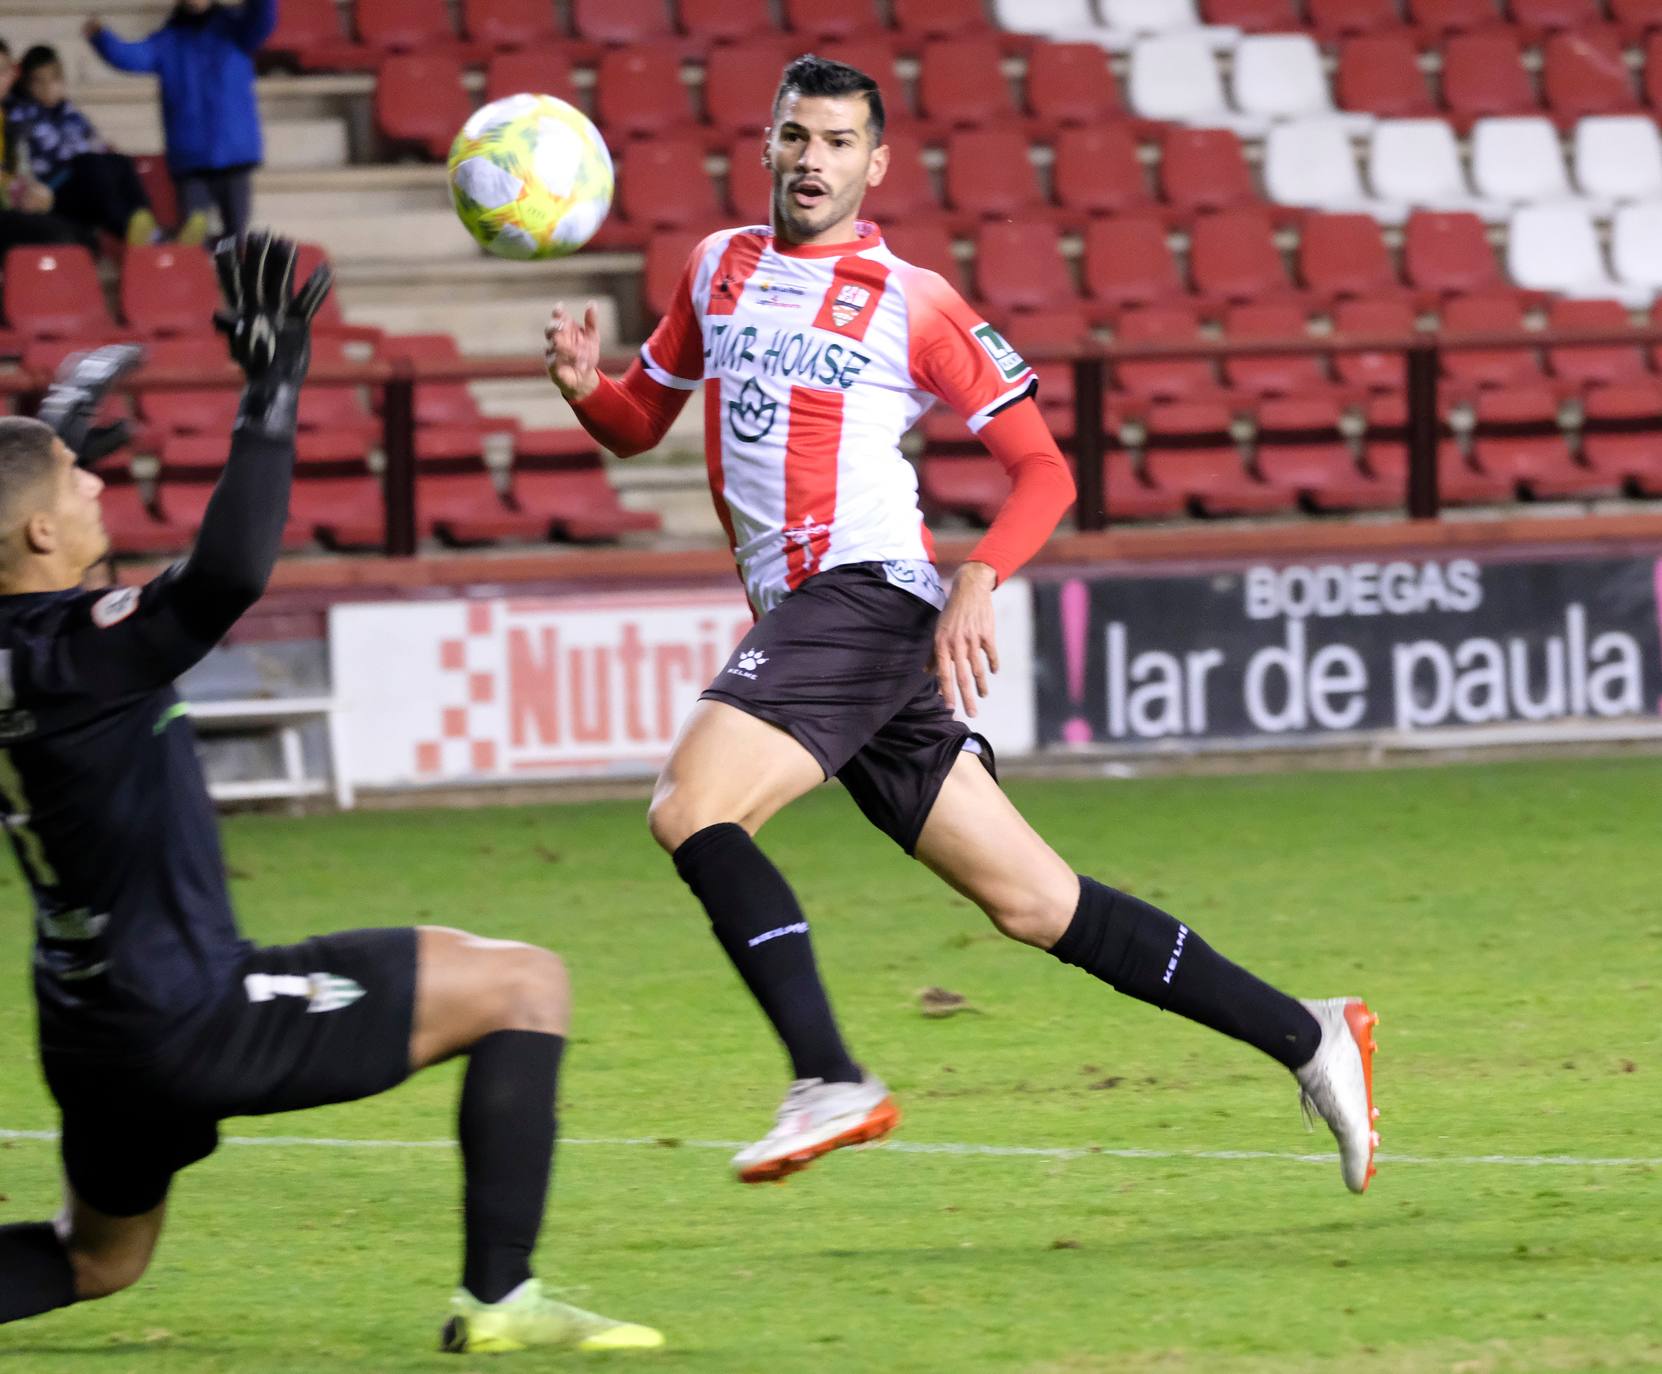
{"points": [[1311, 649]]}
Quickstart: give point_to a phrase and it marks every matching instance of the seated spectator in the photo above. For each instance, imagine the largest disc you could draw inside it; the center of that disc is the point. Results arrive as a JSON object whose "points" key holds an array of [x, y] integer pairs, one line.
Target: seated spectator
{"points": [[25, 204], [204, 55], [92, 186]]}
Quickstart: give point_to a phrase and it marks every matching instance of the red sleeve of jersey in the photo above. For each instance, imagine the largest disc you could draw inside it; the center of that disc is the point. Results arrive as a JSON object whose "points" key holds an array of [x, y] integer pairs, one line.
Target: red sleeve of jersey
{"points": [[630, 416], [958, 356], [1019, 438]]}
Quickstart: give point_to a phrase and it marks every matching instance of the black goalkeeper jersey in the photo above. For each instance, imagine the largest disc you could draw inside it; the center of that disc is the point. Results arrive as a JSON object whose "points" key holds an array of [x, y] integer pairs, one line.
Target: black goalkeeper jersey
{"points": [[109, 815]]}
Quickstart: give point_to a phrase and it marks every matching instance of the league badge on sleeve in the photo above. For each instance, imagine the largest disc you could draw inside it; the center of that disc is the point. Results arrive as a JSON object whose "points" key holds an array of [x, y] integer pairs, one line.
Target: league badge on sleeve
{"points": [[1010, 363], [114, 608]]}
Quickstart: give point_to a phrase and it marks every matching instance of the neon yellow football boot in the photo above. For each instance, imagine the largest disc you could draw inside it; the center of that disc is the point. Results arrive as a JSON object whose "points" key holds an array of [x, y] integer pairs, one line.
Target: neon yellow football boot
{"points": [[528, 1317]]}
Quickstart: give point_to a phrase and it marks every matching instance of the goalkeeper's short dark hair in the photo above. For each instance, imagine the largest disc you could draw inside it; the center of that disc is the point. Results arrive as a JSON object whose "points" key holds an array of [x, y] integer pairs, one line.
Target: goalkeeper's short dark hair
{"points": [[811, 75]]}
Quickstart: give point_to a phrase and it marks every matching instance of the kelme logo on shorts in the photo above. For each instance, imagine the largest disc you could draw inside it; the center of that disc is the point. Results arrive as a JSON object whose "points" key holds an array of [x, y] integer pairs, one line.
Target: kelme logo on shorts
{"points": [[751, 416], [1010, 363]]}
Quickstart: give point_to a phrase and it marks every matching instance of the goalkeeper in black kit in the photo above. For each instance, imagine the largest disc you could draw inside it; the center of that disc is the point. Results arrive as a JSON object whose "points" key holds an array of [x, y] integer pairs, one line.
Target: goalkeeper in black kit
{"points": [[157, 1018]]}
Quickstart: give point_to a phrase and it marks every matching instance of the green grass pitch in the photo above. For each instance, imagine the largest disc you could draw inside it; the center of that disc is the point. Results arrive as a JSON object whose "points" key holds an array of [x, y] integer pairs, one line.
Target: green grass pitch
{"points": [[1506, 921]]}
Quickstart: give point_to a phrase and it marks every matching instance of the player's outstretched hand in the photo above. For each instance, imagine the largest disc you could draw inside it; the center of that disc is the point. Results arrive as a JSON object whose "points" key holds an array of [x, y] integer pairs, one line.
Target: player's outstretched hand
{"points": [[268, 323], [572, 352], [966, 648], [76, 394]]}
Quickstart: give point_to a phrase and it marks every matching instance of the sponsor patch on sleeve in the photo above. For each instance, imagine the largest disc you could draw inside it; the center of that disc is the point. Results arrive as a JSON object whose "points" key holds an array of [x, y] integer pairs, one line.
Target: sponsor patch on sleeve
{"points": [[1010, 363], [114, 608]]}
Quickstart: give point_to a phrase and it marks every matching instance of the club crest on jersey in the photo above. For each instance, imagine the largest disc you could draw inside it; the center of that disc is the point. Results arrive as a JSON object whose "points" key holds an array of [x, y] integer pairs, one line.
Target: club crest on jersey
{"points": [[751, 416], [1010, 363], [114, 608], [849, 302]]}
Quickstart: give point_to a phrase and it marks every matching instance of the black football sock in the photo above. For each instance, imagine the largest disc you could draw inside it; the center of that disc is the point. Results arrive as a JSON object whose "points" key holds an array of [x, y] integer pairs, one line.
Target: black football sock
{"points": [[506, 1129], [756, 917], [1139, 950], [35, 1273]]}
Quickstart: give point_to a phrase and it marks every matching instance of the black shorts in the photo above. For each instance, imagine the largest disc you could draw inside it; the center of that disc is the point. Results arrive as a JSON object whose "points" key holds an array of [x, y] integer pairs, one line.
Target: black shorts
{"points": [[842, 665], [326, 1020]]}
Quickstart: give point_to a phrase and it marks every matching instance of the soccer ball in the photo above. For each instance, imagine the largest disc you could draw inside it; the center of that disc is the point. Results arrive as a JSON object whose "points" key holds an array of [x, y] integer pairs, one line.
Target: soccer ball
{"points": [[530, 177]]}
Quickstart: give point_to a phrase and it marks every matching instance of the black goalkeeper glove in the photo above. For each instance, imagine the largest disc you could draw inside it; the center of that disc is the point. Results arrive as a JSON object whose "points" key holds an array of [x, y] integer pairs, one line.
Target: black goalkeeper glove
{"points": [[76, 393], [268, 326]]}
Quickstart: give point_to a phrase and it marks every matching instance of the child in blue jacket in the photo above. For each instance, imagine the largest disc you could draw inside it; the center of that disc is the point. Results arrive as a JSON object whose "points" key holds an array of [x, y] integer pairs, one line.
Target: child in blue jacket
{"points": [[204, 55]]}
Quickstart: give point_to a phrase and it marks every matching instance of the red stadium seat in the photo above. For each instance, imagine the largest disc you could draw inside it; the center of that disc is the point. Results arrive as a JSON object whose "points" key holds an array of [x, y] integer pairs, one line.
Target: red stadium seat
{"points": [[928, 245], [53, 293], [1379, 74], [749, 183], [873, 54], [1517, 439], [1637, 17], [972, 485], [411, 26], [1301, 447], [1385, 451], [133, 527], [1232, 255], [1345, 255], [1449, 252], [662, 185], [159, 187], [939, 18], [815, 19], [510, 23], [1585, 73], [1342, 18], [1377, 371], [207, 410], [329, 322], [166, 289], [639, 93], [1453, 16], [1555, 14], [309, 36], [1071, 84], [1483, 74], [1491, 313], [1192, 454], [336, 408], [1253, 16], [666, 259], [725, 21], [1621, 434], [1020, 266], [907, 193], [1588, 364], [420, 102], [531, 71], [570, 493], [621, 22], [1204, 169], [988, 174], [1128, 495], [1162, 378], [1097, 171], [960, 84], [443, 405], [1278, 374], [740, 82], [1128, 262]]}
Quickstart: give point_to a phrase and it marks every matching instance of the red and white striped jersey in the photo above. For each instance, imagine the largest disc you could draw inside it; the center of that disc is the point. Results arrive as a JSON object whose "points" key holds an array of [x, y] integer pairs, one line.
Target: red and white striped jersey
{"points": [[818, 359]]}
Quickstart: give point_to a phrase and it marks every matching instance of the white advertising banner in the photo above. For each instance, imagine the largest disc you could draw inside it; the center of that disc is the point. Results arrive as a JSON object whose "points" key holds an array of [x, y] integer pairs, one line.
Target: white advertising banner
{"points": [[446, 692]]}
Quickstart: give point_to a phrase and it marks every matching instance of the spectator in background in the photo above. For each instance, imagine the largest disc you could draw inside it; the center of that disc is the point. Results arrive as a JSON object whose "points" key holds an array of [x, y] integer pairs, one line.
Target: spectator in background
{"points": [[25, 205], [204, 55], [92, 185]]}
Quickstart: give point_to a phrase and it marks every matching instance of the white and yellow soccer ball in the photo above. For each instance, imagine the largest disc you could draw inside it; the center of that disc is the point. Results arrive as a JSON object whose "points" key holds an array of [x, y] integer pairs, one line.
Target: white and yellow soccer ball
{"points": [[531, 177]]}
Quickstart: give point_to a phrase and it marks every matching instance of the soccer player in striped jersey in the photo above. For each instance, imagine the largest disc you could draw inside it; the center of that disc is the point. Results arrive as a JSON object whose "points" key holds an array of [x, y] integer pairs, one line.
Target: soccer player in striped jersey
{"points": [[818, 347]]}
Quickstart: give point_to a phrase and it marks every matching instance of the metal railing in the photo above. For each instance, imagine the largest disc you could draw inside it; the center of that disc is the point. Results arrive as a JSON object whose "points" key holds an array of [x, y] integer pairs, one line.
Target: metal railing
{"points": [[1421, 352]]}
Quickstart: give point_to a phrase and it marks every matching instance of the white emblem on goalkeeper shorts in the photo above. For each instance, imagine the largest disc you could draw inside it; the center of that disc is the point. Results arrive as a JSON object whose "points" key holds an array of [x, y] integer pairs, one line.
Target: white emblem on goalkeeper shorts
{"points": [[324, 991]]}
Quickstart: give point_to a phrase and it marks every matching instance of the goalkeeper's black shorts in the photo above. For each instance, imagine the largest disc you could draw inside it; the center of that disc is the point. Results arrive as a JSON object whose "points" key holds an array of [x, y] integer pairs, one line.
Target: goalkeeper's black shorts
{"points": [[326, 1020]]}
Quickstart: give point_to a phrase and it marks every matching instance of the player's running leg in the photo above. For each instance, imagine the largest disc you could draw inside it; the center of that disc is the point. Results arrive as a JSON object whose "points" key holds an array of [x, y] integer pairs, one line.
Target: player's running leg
{"points": [[84, 1254], [727, 775], [979, 843], [506, 1006]]}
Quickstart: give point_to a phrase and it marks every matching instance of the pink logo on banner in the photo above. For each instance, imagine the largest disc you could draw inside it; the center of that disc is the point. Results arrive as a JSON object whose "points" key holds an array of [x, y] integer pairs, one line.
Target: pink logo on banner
{"points": [[455, 722]]}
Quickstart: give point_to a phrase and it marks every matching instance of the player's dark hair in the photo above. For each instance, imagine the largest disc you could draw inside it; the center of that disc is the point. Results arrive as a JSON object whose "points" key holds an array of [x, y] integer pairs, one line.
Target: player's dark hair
{"points": [[811, 75], [26, 460]]}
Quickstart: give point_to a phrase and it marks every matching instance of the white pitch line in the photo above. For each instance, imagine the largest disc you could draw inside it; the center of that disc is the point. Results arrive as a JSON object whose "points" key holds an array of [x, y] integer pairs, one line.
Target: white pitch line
{"points": [[917, 1147]]}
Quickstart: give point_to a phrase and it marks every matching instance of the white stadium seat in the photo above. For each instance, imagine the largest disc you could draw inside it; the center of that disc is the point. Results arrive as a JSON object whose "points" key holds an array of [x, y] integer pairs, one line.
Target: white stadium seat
{"points": [[1518, 160], [1416, 163], [1636, 245], [1618, 157], [1310, 162], [1125, 21], [1174, 76], [1067, 20], [1280, 75], [1556, 248]]}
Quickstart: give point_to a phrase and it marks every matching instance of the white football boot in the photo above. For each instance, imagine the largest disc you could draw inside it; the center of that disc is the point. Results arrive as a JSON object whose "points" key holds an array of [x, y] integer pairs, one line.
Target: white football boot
{"points": [[816, 1118], [1337, 1084]]}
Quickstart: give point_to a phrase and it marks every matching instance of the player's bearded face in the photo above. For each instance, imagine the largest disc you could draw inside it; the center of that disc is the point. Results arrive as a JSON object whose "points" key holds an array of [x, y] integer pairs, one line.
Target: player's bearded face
{"points": [[821, 155]]}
